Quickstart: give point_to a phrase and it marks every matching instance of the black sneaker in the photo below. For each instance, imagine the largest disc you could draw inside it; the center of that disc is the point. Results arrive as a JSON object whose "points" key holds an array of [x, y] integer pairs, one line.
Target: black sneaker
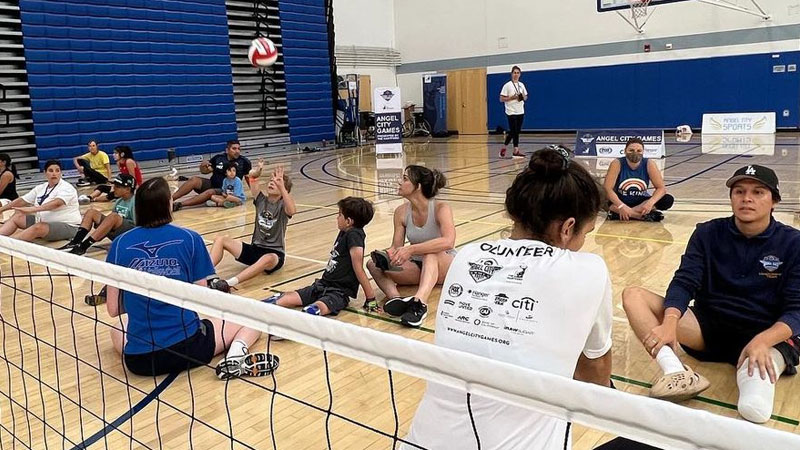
{"points": [[397, 306], [68, 246], [176, 206], [78, 250], [417, 312], [613, 216], [83, 182], [219, 284], [96, 299], [653, 216]]}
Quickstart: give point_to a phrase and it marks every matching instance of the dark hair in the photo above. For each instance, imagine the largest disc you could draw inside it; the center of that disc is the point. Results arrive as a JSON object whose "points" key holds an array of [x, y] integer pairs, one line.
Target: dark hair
{"points": [[356, 209], [552, 188], [429, 180], [93, 140], [125, 151], [9, 165], [152, 205], [230, 165], [516, 68], [52, 162], [634, 140], [231, 143]]}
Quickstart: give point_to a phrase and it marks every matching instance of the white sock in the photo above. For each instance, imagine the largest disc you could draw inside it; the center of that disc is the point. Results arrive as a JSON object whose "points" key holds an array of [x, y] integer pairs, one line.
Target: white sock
{"points": [[238, 348], [668, 361], [757, 396], [233, 281]]}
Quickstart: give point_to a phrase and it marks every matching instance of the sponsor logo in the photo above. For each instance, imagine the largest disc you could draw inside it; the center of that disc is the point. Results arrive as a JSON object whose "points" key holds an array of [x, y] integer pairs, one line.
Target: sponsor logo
{"points": [[387, 95], [519, 331], [771, 263], [605, 150], [152, 250], [465, 305], [500, 299], [445, 314], [449, 302], [750, 170], [587, 138], [455, 290], [477, 321], [478, 295], [485, 311], [483, 269], [517, 276], [463, 319], [525, 303]]}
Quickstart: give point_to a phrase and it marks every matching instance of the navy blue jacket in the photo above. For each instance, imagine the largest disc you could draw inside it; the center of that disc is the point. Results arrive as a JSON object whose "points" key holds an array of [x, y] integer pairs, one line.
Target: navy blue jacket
{"points": [[752, 280]]}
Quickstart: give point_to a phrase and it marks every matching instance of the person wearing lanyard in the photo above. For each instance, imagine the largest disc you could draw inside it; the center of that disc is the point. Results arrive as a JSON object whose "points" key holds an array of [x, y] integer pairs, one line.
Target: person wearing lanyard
{"points": [[49, 211], [513, 96]]}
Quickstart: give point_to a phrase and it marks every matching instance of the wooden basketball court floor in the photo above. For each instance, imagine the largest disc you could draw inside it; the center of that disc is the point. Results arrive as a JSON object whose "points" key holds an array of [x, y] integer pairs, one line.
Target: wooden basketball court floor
{"points": [[70, 378]]}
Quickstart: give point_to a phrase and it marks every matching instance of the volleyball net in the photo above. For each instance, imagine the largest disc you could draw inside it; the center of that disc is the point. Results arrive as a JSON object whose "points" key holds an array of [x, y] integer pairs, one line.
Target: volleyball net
{"points": [[339, 385]]}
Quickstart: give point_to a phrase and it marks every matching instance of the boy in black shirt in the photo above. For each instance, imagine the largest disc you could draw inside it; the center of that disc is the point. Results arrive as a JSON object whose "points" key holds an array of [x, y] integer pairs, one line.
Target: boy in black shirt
{"points": [[345, 270]]}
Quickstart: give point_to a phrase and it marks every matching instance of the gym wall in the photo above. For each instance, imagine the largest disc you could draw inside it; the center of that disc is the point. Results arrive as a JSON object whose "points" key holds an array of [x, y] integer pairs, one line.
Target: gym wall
{"points": [[587, 69], [366, 23], [156, 74]]}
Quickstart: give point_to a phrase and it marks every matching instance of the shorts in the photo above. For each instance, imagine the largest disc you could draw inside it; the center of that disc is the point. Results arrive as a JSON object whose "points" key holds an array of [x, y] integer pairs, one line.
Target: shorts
{"points": [[126, 226], [56, 231], [334, 298], [106, 189], [252, 253], [725, 339], [417, 259], [205, 185], [197, 350]]}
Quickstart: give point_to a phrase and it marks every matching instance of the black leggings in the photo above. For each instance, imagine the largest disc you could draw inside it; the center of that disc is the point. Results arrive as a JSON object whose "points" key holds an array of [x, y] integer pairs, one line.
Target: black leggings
{"points": [[91, 174], [515, 126]]}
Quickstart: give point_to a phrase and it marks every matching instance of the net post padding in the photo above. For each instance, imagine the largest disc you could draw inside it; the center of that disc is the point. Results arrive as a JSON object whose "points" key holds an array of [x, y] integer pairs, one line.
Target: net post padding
{"points": [[647, 420]]}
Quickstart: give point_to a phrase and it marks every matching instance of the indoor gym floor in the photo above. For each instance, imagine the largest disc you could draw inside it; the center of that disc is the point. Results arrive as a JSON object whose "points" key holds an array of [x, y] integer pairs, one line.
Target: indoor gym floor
{"points": [[643, 254]]}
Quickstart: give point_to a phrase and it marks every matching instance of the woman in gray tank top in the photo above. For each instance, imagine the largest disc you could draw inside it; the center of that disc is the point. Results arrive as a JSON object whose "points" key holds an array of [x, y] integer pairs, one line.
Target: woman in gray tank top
{"points": [[428, 227]]}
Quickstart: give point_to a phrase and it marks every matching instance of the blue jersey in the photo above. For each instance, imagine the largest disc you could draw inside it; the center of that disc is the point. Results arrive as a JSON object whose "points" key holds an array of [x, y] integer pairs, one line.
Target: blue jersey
{"points": [[632, 184], [168, 251], [233, 187]]}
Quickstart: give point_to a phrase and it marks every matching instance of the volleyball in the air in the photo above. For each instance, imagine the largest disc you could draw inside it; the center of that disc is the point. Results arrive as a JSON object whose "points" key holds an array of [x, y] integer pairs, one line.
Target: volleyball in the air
{"points": [[262, 52]]}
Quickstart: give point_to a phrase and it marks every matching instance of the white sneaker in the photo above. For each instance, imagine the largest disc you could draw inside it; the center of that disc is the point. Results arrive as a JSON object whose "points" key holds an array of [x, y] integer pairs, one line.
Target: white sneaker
{"points": [[84, 200]]}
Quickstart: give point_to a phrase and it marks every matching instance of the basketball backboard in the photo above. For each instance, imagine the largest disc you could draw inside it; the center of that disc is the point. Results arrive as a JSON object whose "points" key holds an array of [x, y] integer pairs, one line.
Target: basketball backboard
{"points": [[616, 5]]}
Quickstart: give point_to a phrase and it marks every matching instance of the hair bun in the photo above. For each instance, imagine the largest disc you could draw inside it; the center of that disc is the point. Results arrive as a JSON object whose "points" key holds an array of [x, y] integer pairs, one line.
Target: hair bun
{"points": [[439, 180], [548, 164]]}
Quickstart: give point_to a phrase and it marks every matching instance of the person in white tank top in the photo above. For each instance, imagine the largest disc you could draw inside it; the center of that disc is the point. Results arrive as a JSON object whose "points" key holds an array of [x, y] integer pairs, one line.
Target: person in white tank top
{"points": [[428, 227], [516, 300]]}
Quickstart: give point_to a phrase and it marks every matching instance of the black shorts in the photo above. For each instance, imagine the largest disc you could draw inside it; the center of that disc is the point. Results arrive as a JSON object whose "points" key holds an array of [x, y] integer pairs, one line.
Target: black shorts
{"points": [[725, 339], [195, 351], [205, 185], [334, 298], [126, 226], [252, 253]]}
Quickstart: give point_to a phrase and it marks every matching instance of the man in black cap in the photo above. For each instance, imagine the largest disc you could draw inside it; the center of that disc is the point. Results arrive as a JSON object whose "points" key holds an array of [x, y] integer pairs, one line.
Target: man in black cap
{"points": [[743, 273], [118, 221]]}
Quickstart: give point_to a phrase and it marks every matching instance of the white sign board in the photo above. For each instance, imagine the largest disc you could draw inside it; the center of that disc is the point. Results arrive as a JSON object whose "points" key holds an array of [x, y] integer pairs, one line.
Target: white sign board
{"points": [[739, 144], [388, 123], [739, 123]]}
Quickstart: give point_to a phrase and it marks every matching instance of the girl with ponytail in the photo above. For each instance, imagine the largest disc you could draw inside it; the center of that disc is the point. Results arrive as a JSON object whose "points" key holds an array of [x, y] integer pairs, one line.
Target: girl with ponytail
{"points": [[428, 226], [532, 300]]}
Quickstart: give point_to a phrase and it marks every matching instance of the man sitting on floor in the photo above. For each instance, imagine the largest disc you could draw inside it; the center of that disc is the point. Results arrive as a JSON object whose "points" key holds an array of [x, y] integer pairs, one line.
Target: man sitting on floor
{"points": [[626, 186], [217, 165], [744, 276], [120, 220]]}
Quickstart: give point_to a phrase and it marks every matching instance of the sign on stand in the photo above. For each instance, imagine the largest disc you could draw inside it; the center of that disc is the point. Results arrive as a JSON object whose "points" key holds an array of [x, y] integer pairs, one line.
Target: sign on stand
{"points": [[388, 123], [611, 143]]}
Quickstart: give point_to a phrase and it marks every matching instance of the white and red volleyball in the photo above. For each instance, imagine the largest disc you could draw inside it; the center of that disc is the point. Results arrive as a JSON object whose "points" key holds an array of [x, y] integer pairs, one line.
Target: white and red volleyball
{"points": [[262, 52]]}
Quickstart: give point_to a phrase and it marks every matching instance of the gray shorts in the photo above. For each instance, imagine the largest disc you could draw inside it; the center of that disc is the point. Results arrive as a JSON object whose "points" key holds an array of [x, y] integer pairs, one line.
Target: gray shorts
{"points": [[56, 231], [126, 226]]}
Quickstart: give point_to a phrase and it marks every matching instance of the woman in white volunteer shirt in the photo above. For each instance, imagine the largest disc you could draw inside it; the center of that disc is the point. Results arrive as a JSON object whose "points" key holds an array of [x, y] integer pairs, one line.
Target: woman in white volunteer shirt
{"points": [[513, 96], [516, 300], [49, 211]]}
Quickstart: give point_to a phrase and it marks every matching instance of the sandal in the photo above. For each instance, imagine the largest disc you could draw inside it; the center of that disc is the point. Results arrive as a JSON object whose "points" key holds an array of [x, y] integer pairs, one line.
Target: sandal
{"points": [[679, 386]]}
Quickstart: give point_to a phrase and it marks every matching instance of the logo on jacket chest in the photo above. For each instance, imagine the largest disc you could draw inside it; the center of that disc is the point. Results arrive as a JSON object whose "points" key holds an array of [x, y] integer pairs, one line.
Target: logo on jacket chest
{"points": [[771, 263]]}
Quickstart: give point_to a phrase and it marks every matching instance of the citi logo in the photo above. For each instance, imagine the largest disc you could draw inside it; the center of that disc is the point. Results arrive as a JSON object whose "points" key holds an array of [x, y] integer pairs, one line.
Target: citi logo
{"points": [[525, 303]]}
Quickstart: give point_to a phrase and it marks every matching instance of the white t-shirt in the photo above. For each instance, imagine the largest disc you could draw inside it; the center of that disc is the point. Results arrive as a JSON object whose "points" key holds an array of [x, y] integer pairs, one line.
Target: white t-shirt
{"points": [[511, 89], [42, 194], [521, 302]]}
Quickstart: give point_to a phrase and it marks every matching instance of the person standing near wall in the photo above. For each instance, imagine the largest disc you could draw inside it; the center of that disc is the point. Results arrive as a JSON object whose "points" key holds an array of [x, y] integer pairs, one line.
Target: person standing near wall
{"points": [[514, 95]]}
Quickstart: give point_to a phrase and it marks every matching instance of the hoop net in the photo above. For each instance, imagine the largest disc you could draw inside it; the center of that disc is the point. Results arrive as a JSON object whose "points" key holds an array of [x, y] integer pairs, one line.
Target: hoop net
{"points": [[639, 8]]}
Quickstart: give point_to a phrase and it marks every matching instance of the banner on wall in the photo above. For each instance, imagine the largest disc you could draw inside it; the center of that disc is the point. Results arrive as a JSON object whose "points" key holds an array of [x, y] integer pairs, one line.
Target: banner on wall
{"points": [[611, 143], [739, 123], [388, 123], [434, 103]]}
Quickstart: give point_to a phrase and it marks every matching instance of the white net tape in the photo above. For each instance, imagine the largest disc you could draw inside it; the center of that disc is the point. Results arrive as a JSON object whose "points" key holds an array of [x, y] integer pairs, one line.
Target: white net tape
{"points": [[651, 421]]}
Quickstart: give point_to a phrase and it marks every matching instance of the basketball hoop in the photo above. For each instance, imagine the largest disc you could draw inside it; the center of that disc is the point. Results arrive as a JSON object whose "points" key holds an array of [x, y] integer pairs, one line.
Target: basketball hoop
{"points": [[639, 8]]}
